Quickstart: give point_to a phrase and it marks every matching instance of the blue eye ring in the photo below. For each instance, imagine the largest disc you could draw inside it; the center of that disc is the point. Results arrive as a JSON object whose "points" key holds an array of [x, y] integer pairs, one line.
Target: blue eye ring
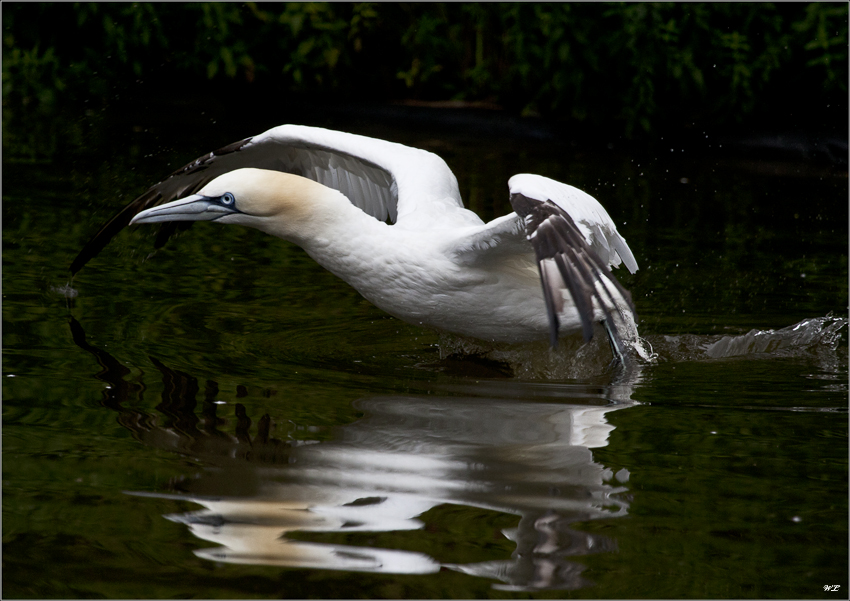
{"points": [[227, 198]]}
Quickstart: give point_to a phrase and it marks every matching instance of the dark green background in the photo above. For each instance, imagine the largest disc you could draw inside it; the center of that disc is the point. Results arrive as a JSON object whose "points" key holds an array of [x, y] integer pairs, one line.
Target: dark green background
{"points": [[634, 70]]}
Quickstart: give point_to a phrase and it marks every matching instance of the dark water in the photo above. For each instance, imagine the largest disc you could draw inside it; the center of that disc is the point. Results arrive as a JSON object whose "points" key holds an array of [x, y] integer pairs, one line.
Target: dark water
{"points": [[222, 418]]}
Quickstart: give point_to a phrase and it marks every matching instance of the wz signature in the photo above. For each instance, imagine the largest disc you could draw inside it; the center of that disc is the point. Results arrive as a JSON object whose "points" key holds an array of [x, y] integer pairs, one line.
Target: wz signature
{"points": [[833, 588]]}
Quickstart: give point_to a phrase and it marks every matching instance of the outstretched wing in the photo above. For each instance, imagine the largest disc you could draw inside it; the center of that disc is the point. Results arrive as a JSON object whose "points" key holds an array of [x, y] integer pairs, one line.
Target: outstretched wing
{"points": [[384, 179], [574, 242]]}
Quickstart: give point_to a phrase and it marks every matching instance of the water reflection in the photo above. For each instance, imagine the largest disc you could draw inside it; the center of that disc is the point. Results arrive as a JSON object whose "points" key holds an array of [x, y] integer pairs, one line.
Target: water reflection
{"points": [[272, 501]]}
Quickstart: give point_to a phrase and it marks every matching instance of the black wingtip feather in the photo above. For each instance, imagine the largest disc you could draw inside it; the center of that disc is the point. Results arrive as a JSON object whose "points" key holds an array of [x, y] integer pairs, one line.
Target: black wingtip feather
{"points": [[554, 324], [109, 229], [149, 198], [554, 235], [582, 295]]}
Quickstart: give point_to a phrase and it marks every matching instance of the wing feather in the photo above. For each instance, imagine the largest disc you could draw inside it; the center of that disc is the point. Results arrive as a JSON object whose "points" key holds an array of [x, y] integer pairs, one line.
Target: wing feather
{"points": [[572, 257], [552, 282], [558, 240], [591, 218], [384, 179], [182, 182]]}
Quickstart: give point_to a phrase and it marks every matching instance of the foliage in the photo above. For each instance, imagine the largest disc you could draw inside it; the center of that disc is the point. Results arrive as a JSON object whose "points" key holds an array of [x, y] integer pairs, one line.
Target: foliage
{"points": [[627, 67]]}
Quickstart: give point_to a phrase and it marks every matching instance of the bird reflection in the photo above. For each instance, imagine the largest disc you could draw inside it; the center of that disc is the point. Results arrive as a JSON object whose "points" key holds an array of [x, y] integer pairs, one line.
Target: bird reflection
{"points": [[284, 502]]}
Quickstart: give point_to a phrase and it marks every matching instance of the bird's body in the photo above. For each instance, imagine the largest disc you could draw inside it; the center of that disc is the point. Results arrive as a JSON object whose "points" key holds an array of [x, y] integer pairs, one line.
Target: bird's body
{"points": [[418, 278], [389, 220]]}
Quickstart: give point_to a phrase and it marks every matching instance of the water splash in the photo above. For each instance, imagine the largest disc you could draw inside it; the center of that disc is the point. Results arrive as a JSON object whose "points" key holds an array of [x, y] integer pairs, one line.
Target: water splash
{"points": [[810, 336], [573, 359], [576, 360], [823, 332], [67, 291]]}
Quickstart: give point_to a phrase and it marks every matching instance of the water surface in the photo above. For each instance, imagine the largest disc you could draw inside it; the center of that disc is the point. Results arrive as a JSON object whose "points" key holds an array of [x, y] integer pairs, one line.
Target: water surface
{"points": [[223, 418]]}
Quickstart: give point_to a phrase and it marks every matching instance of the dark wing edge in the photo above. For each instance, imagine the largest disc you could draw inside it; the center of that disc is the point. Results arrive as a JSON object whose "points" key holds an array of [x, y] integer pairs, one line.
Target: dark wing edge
{"points": [[369, 186], [173, 187], [565, 260]]}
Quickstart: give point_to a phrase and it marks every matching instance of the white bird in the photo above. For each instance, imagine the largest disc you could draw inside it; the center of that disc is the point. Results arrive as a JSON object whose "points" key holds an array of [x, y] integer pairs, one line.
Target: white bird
{"points": [[389, 220]]}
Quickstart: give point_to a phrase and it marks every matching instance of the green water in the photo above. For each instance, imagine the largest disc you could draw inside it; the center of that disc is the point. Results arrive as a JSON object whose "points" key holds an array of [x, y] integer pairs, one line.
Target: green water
{"points": [[223, 418]]}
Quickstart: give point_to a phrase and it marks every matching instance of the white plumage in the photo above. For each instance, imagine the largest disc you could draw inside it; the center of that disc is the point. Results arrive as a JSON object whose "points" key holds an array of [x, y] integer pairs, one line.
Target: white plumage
{"points": [[389, 220]]}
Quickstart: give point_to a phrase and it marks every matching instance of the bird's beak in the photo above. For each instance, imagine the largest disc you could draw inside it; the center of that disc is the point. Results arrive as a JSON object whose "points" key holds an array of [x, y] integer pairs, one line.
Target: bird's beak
{"points": [[191, 208]]}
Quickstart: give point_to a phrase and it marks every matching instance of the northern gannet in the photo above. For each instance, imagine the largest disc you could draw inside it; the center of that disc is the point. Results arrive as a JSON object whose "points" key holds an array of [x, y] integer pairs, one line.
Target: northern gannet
{"points": [[389, 220]]}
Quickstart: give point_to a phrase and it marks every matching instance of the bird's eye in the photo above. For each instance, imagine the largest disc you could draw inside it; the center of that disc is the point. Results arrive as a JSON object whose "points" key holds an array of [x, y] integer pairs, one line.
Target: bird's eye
{"points": [[228, 198]]}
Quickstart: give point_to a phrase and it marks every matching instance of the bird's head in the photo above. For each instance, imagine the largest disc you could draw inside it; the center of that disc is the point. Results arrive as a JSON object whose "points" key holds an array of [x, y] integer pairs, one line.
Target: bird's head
{"points": [[281, 204]]}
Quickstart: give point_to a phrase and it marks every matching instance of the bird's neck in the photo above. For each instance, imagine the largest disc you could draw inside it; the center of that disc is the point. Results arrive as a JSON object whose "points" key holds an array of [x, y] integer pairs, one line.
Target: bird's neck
{"points": [[337, 234]]}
